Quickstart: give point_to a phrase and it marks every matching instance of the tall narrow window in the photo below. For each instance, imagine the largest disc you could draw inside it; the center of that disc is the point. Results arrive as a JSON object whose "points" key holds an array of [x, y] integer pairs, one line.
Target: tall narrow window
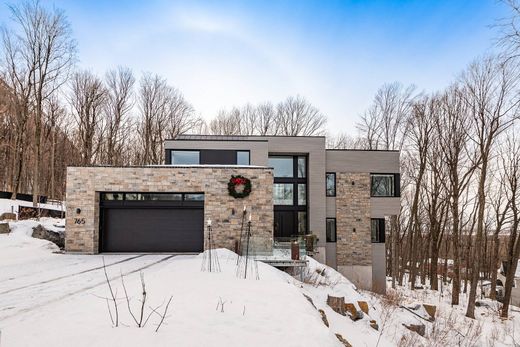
{"points": [[331, 184], [378, 230], [302, 194], [302, 167], [331, 230]]}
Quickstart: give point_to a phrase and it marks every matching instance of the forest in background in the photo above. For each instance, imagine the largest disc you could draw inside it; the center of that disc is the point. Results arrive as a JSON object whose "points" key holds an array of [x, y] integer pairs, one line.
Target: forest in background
{"points": [[460, 147]]}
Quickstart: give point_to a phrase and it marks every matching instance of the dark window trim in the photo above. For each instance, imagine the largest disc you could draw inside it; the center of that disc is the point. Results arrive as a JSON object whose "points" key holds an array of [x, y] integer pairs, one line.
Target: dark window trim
{"points": [[326, 192], [397, 184], [124, 203], [335, 230], [381, 235]]}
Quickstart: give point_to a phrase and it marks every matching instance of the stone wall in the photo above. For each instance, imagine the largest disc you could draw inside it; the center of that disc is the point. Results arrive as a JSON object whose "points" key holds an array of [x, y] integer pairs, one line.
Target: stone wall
{"points": [[85, 183], [354, 245]]}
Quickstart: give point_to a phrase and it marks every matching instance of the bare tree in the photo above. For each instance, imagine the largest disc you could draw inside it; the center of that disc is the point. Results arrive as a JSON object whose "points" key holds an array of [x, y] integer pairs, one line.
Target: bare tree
{"points": [[297, 117], [491, 92], [511, 167], [384, 124], [163, 112], [87, 99], [41, 52], [119, 103]]}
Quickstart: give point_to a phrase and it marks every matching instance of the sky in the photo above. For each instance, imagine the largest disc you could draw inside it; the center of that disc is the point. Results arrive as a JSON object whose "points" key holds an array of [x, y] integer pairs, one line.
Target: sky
{"points": [[336, 54]]}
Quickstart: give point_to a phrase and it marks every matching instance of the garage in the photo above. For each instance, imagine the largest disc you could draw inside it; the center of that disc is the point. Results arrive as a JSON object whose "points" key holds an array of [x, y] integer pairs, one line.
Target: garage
{"points": [[151, 222]]}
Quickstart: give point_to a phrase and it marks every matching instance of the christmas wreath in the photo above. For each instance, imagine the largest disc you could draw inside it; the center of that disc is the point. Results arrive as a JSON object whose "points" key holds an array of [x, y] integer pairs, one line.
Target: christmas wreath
{"points": [[239, 186]]}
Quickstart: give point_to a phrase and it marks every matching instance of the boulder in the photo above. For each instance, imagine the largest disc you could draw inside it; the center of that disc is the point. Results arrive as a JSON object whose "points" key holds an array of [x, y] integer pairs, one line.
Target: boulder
{"points": [[40, 232], [374, 325], [431, 310], [343, 341], [363, 305], [353, 312], [324, 317], [4, 228], [417, 328], [337, 304], [8, 216]]}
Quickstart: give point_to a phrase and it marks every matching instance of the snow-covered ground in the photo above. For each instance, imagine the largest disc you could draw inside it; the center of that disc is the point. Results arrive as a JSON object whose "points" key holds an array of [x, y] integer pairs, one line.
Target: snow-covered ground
{"points": [[52, 299]]}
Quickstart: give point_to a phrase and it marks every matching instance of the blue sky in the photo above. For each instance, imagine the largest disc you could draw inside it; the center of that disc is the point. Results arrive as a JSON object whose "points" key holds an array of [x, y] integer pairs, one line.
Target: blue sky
{"points": [[335, 53]]}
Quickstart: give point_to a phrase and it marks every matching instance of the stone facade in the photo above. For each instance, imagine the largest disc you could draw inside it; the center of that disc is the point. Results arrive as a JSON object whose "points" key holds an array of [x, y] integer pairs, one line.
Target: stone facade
{"points": [[85, 183], [354, 245]]}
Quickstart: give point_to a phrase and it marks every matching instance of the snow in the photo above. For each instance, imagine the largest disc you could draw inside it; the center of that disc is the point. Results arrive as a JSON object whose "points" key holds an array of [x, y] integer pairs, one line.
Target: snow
{"points": [[8, 205], [49, 298]]}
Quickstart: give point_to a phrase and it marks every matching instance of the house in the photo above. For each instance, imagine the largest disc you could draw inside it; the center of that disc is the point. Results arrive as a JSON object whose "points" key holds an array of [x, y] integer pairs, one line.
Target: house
{"points": [[297, 187]]}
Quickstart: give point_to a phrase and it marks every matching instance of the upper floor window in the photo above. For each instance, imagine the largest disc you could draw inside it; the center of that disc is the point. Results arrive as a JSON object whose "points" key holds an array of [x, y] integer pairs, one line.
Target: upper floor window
{"points": [[283, 166], [330, 181], [243, 158], [185, 157], [384, 185], [302, 167], [378, 230]]}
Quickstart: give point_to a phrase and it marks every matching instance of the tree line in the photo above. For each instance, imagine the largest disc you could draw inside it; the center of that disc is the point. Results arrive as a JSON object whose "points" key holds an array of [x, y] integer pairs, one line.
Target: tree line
{"points": [[53, 114]]}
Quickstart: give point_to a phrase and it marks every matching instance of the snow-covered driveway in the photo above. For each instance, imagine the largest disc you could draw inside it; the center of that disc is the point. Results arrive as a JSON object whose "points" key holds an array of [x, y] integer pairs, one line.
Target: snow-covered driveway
{"points": [[30, 285]]}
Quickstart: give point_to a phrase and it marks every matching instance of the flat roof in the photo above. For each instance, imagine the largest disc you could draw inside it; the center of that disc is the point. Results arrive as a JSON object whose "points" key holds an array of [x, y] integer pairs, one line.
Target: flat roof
{"points": [[186, 137], [168, 166], [363, 150]]}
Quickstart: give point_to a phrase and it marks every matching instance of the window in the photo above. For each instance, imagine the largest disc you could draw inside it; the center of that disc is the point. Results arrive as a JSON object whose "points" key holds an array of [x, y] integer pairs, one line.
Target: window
{"points": [[283, 166], [330, 181], [302, 222], [378, 230], [302, 167], [194, 197], [331, 229], [302, 194], [243, 158], [185, 157], [283, 194], [112, 196], [383, 185]]}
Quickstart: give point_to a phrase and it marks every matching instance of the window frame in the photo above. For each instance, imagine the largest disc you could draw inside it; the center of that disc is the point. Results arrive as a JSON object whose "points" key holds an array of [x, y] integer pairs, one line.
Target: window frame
{"points": [[183, 150], [396, 184], [327, 239], [381, 230], [335, 186]]}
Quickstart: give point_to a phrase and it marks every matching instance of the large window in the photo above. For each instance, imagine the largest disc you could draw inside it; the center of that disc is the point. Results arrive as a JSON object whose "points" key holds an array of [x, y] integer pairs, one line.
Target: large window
{"points": [[331, 230], [185, 157], [384, 185], [330, 181], [283, 194], [243, 158], [378, 230], [289, 195], [283, 166]]}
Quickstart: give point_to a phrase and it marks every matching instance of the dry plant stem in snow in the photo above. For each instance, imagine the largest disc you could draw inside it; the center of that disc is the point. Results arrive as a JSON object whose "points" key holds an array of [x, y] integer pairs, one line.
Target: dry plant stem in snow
{"points": [[164, 314], [139, 322], [115, 320]]}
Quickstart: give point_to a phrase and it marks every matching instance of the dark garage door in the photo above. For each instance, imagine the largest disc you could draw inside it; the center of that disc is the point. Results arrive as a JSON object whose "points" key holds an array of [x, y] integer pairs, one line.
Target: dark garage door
{"points": [[135, 222]]}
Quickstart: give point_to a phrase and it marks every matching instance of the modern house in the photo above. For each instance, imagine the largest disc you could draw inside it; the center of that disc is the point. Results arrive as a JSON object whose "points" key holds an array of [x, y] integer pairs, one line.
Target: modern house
{"points": [[297, 187]]}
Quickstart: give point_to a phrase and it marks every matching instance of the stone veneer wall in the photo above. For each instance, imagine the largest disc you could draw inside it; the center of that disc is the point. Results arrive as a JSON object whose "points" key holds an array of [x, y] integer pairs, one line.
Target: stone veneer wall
{"points": [[354, 248], [85, 183]]}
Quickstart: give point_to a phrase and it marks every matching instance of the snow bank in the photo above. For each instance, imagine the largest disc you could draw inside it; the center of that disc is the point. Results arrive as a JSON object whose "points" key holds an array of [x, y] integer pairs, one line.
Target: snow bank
{"points": [[270, 311], [18, 246]]}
